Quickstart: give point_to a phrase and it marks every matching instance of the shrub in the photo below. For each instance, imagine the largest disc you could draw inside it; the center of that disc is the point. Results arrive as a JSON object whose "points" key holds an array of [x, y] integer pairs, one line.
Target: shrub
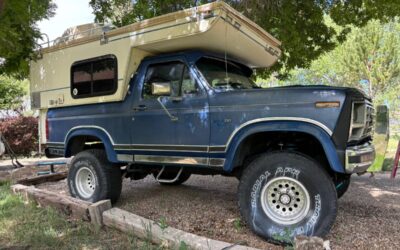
{"points": [[21, 133]]}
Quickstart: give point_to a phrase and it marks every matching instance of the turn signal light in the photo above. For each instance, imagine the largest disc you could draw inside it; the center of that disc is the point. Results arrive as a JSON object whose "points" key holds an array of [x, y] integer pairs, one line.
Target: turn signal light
{"points": [[327, 104]]}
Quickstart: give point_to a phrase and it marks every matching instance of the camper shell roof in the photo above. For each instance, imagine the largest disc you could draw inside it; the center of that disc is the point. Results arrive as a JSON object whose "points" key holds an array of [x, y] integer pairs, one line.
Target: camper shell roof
{"points": [[214, 27]]}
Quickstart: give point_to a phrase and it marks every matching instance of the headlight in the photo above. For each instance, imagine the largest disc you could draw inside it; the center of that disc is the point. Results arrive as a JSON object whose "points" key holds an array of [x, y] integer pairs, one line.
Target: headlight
{"points": [[362, 120]]}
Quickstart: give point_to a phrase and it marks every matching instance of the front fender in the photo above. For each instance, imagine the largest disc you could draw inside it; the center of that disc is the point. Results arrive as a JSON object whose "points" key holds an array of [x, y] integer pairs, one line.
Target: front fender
{"points": [[285, 126], [96, 132]]}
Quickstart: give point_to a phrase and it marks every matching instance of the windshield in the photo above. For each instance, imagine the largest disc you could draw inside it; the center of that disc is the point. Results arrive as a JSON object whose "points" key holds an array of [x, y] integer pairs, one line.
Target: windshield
{"points": [[225, 75]]}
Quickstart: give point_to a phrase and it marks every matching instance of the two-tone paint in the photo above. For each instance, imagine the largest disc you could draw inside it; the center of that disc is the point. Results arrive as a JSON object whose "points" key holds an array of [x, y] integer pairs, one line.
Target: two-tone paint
{"points": [[210, 124]]}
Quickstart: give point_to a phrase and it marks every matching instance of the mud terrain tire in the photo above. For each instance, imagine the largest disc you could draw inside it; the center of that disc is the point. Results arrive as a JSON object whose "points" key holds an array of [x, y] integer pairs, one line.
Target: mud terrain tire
{"points": [[285, 194], [93, 178]]}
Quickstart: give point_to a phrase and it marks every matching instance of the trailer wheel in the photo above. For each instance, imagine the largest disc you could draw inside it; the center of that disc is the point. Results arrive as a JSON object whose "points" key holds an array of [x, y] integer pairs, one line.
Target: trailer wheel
{"points": [[93, 178], [284, 194]]}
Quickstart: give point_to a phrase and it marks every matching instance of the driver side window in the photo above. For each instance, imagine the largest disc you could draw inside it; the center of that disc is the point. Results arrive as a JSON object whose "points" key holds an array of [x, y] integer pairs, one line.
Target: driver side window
{"points": [[170, 72], [174, 73]]}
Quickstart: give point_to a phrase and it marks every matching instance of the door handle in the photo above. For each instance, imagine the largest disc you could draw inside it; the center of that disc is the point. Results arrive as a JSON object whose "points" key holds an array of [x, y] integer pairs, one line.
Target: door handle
{"points": [[140, 108]]}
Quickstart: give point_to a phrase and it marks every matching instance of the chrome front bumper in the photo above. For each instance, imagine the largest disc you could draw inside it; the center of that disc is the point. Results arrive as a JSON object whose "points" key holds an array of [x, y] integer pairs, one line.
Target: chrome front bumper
{"points": [[359, 158]]}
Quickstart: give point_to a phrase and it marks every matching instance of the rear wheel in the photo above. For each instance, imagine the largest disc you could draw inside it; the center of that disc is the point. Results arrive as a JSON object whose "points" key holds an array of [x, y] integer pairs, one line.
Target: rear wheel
{"points": [[283, 194], [92, 177]]}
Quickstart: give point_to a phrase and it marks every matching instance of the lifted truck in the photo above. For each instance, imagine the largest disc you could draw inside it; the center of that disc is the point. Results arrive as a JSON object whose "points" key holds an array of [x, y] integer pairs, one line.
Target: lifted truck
{"points": [[177, 113]]}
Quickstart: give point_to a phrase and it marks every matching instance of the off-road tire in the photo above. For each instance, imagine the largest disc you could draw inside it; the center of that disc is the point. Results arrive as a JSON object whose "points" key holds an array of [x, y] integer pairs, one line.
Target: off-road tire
{"points": [[107, 176], [171, 175], [267, 169]]}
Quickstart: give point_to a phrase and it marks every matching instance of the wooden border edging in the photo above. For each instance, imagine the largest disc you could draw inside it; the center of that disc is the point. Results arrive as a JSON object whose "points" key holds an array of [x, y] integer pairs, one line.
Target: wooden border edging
{"points": [[148, 229], [101, 213], [43, 178], [68, 205], [96, 211]]}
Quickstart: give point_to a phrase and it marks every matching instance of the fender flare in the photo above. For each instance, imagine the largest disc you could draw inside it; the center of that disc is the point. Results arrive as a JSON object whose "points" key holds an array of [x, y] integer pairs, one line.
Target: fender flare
{"points": [[285, 126], [92, 131]]}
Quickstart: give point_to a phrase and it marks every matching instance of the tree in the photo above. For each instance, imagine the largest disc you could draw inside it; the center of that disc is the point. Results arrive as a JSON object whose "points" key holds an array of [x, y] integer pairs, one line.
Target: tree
{"points": [[18, 33], [12, 92], [369, 59], [124, 12], [373, 57], [298, 24]]}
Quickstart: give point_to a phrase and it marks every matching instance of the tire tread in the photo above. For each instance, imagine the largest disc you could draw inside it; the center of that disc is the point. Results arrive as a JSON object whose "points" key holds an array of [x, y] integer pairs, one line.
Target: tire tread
{"points": [[253, 166]]}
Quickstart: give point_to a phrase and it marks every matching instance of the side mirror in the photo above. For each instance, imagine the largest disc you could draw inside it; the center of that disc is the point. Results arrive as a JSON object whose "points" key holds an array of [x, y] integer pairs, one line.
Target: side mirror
{"points": [[161, 88]]}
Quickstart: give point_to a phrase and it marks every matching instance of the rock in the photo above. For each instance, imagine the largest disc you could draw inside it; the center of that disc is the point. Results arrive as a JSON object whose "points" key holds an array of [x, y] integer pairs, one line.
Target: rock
{"points": [[310, 243], [327, 245]]}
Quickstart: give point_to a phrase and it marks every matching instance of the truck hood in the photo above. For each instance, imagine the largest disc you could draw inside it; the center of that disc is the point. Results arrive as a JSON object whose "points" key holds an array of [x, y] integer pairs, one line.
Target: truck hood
{"points": [[291, 101], [349, 91], [286, 95]]}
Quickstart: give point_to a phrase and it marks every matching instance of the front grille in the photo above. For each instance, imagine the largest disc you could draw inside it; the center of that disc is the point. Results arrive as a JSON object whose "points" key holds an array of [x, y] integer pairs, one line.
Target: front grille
{"points": [[362, 120]]}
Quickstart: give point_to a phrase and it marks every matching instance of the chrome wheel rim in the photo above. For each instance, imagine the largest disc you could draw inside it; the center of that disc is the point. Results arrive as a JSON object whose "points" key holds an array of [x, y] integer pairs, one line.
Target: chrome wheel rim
{"points": [[85, 182], [285, 200]]}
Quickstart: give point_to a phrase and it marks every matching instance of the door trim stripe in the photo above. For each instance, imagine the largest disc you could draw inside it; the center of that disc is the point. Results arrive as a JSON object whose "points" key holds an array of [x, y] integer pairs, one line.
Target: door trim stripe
{"points": [[181, 160]]}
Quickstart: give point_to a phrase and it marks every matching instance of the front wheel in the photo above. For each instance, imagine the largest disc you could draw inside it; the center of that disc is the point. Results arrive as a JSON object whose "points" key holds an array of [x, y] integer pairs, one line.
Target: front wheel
{"points": [[283, 194], [92, 177]]}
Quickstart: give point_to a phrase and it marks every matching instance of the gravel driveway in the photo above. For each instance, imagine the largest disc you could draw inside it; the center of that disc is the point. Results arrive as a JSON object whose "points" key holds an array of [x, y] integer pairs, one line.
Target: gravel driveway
{"points": [[368, 215]]}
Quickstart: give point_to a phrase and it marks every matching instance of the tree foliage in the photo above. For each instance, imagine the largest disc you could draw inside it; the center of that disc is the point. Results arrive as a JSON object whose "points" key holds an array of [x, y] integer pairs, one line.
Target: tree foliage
{"points": [[124, 12], [369, 59], [18, 32], [12, 92], [371, 56], [298, 24]]}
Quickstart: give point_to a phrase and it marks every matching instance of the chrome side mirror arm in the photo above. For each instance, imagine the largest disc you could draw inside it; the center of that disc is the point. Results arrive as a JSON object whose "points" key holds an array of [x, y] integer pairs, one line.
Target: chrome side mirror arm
{"points": [[172, 117]]}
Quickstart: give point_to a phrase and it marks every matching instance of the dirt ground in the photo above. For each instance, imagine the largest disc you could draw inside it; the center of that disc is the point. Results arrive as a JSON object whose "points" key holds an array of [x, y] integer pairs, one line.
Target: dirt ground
{"points": [[368, 215]]}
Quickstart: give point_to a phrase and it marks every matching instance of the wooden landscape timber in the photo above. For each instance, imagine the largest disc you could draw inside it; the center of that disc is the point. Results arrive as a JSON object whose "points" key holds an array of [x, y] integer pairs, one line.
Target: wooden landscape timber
{"points": [[70, 206], [101, 213], [43, 178], [96, 211], [160, 235]]}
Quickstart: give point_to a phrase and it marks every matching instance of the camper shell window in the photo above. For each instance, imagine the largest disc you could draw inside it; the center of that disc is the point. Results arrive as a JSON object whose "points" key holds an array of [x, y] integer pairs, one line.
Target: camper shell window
{"points": [[94, 77]]}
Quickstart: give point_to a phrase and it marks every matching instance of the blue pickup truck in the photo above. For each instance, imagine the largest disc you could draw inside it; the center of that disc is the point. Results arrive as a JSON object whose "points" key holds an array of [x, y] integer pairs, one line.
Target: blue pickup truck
{"points": [[293, 149]]}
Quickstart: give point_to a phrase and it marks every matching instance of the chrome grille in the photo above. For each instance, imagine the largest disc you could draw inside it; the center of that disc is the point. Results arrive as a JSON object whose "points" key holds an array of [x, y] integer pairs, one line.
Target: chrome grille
{"points": [[362, 120]]}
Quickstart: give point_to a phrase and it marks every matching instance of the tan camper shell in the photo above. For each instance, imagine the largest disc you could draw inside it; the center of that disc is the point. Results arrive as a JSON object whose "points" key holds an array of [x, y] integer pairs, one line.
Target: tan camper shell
{"points": [[213, 27]]}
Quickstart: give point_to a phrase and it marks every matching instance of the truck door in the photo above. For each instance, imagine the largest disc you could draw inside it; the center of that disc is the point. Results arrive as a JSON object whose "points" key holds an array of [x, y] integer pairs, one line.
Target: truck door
{"points": [[193, 126], [152, 127], [173, 125]]}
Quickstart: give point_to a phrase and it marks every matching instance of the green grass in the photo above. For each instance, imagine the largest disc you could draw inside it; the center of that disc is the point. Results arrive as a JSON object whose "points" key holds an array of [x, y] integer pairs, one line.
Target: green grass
{"points": [[384, 158], [390, 153], [27, 225]]}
